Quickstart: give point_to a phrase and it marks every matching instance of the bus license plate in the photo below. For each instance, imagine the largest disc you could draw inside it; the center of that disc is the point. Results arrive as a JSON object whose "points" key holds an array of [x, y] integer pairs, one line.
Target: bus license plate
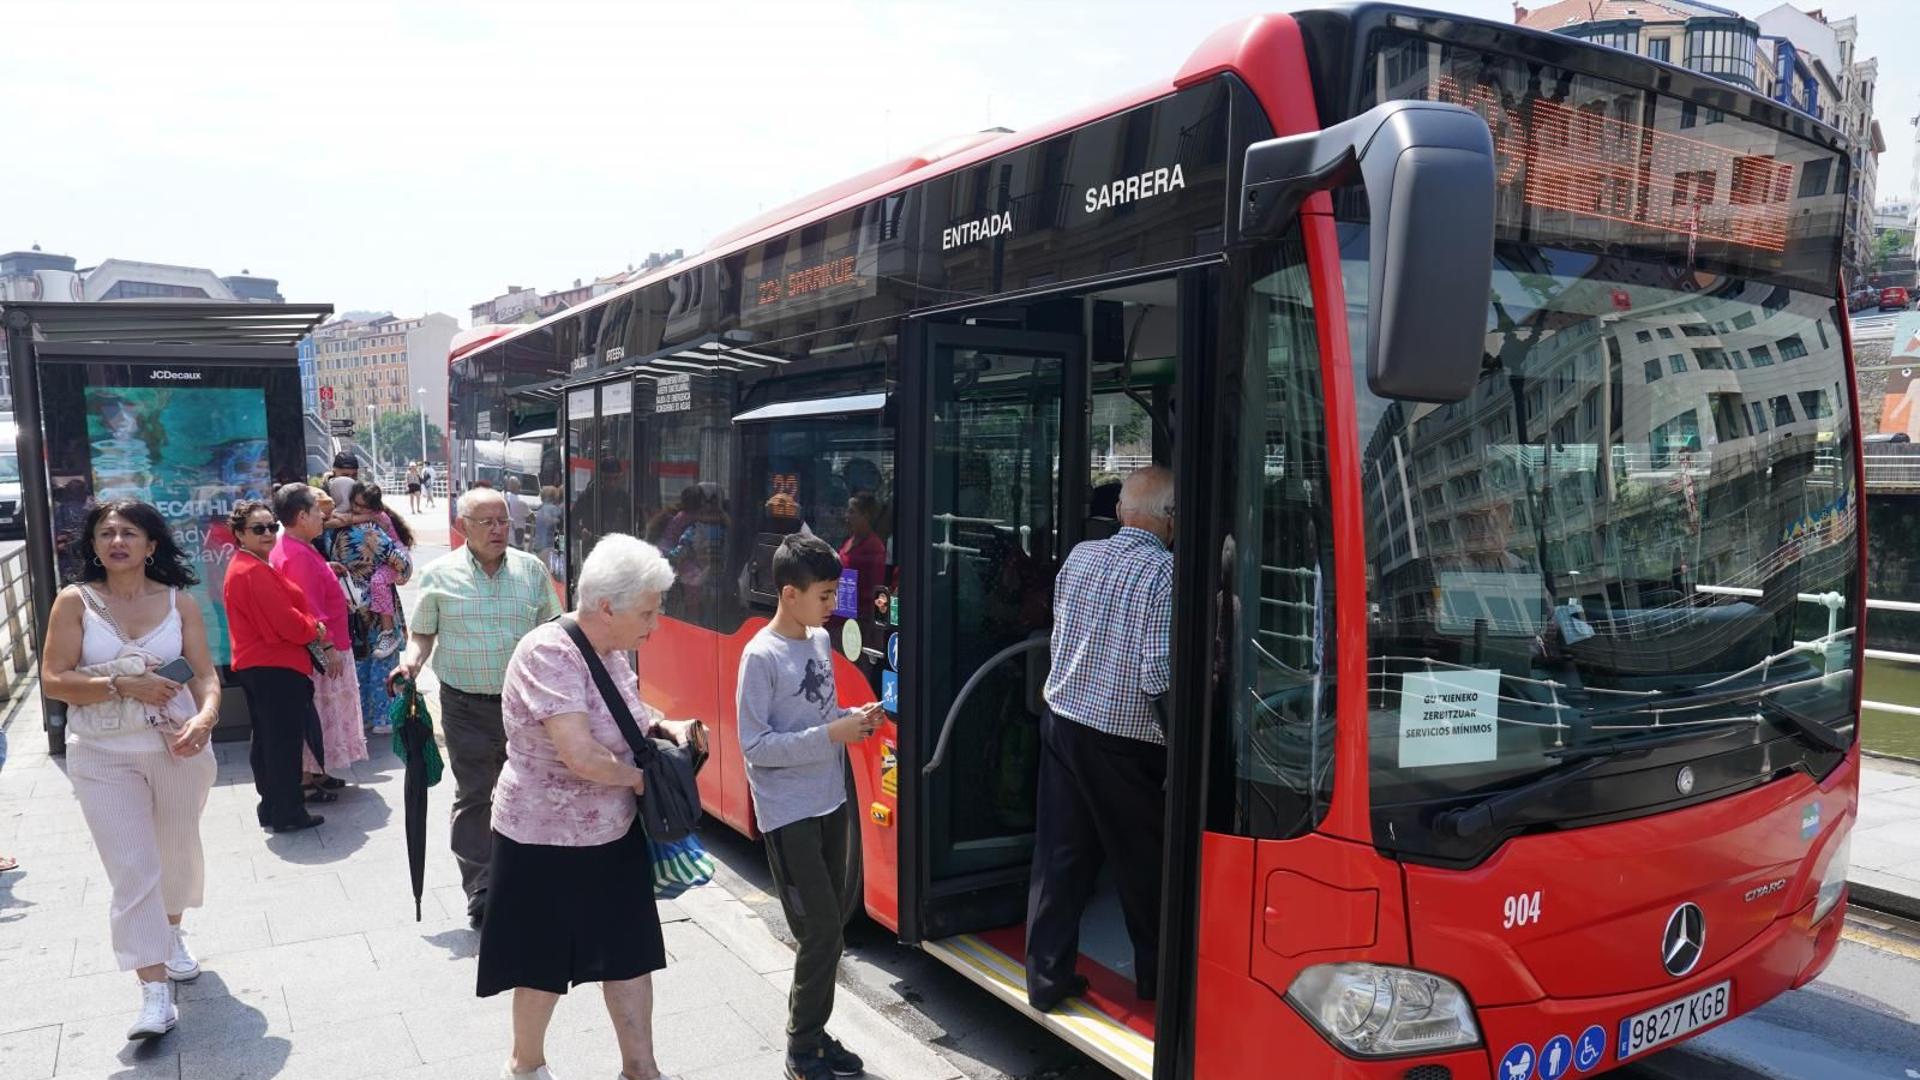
{"points": [[1676, 1019]]}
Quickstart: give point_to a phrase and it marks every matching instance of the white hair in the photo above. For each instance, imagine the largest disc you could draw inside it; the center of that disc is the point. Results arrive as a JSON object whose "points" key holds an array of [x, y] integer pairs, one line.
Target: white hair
{"points": [[622, 569], [471, 499], [1149, 493]]}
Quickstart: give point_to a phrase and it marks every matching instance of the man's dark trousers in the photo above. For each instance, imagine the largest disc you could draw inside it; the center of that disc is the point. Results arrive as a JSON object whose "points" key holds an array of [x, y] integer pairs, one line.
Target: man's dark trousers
{"points": [[1102, 800], [809, 863], [476, 749]]}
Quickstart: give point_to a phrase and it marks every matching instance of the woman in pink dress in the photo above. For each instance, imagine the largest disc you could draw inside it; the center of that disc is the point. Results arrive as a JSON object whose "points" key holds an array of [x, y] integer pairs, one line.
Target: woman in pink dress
{"points": [[336, 692]]}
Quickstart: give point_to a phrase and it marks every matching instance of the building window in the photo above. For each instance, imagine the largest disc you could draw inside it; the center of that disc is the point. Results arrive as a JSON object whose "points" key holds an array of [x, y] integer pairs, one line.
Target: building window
{"points": [[1660, 49], [1813, 177], [1677, 364], [1761, 356], [1653, 370], [1791, 348]]}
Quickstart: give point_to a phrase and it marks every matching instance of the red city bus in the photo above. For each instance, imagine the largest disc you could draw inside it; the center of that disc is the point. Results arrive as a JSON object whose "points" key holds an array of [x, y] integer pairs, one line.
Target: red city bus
{"points": [[1519, 553]]}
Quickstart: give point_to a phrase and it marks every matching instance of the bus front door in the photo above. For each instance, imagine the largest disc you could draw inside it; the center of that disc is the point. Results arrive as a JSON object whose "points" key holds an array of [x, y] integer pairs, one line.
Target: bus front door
{"points": [[996, 455]]}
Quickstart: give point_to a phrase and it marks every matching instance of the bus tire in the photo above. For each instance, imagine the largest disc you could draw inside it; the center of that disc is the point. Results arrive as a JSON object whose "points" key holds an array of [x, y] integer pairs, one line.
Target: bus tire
{"points": [[855, 901]]}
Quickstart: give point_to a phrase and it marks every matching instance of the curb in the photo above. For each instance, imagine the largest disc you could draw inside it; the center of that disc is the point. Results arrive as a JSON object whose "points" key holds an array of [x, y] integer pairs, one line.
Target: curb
{"points": [[1887, 901]]}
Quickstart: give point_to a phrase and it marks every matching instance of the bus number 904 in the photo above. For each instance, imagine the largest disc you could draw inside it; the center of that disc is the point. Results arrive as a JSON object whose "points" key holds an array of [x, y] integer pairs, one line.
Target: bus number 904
{"points": [[1522, 909]]}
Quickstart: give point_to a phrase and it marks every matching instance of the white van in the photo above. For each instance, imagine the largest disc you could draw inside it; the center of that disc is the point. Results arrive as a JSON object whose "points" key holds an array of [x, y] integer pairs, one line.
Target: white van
{"points": [[13, 516]]}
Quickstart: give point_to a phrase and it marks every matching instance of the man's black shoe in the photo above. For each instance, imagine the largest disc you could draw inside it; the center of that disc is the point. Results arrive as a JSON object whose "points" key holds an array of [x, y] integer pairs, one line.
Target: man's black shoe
{"points": [[312, 820], [1075, 987], [808, 1067], [477, 909], [841, 1060]]}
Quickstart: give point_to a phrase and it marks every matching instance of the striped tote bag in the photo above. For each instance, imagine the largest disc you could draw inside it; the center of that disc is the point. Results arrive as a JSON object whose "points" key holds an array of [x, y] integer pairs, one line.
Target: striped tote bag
{"points": [[679, 865]]}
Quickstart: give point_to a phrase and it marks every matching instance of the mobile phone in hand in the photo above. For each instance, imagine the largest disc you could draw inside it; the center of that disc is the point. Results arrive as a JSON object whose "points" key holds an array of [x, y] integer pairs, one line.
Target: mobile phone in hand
{"points": [[175, 670]]}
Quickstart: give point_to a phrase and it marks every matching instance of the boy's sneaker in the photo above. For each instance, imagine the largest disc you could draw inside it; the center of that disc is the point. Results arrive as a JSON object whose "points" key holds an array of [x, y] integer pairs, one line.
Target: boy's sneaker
{"points": [[540, 1073], [157, 1013], [382, 728], [181, 966], [841, 1060], [386, 644], [808, 1067], [830, 1060]]}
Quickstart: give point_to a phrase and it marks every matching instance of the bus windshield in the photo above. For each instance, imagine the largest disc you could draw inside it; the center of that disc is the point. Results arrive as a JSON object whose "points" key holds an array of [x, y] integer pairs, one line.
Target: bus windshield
{"points": [[1642, 521]]}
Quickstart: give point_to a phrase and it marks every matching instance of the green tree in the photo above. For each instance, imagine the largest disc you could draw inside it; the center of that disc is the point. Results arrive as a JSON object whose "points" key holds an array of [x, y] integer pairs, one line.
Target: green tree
{"points": [[399, 438], [1889, 244]]}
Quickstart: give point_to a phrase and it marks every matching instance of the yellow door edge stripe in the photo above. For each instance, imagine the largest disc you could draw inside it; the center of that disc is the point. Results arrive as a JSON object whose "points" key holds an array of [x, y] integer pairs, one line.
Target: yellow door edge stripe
{"points": [[1118, 1046]]}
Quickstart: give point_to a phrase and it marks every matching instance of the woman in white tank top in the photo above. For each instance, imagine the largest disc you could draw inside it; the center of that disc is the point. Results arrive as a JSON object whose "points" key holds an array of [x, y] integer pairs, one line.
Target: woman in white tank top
{"points": [[142, 789]]}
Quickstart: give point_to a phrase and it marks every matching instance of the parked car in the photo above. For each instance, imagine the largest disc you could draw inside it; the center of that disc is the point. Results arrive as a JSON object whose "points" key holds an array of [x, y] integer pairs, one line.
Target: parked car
{"points": [[1862, 299], [1887, 437], [1894, 298]]}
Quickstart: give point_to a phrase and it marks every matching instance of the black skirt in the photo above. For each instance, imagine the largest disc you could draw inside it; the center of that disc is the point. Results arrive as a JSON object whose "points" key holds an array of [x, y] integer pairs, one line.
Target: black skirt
{"points": [[561, 916]]}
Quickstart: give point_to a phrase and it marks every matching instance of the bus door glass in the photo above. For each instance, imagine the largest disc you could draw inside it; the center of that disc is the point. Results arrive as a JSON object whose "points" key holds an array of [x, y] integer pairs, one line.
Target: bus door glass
{"points": [[997, 460], [583, 435]]}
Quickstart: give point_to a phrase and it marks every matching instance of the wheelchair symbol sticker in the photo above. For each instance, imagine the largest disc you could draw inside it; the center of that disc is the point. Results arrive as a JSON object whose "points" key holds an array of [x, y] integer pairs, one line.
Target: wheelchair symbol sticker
{"points": [[1591, 1050]]}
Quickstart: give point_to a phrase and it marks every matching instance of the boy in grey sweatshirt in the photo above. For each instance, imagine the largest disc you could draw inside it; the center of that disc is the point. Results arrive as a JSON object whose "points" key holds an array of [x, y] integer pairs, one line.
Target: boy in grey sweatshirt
{"points": [[792, 734]]}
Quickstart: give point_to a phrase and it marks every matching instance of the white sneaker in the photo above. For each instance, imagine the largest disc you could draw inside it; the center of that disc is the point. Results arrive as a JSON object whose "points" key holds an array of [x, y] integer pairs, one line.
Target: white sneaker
{"points": [[157, 1014], [181, 966], [386, 644], [541, 1073]]}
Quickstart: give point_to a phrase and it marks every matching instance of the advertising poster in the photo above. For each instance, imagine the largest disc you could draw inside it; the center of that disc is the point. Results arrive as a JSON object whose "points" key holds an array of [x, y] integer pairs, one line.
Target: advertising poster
{"points": [[1898, 416], [192, 452]]}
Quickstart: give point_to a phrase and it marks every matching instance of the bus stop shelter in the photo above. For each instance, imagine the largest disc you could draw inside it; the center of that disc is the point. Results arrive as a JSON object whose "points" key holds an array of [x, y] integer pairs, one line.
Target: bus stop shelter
{"points": [[190, 406]]}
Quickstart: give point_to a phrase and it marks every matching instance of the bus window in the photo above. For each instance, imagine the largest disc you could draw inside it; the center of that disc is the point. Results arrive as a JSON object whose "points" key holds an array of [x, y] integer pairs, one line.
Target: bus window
{"points": [[1131, 368], [1277, 573], [682, 458], [830, 477]]}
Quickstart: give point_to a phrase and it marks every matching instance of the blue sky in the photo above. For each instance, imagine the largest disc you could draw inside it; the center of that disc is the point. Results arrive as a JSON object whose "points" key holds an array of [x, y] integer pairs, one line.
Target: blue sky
{"points": [[426, 154]]}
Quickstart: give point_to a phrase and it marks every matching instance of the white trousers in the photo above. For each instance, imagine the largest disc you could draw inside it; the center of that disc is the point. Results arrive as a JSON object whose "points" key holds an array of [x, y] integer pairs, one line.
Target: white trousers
{"points": [[143, 808]]}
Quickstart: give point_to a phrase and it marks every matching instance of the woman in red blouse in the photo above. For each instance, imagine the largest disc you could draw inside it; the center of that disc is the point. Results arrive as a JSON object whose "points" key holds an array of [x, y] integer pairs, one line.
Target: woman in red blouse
{"points": [[270, 628]]}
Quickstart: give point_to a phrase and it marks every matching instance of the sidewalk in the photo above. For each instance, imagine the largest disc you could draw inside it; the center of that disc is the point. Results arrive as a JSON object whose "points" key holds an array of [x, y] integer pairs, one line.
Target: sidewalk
{"points": [[1885, 871], [313, 965]]}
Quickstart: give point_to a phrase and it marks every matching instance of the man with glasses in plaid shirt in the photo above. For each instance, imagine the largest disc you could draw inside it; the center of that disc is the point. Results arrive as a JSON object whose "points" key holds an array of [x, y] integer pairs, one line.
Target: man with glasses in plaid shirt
{"points": [[476, 603], [1103, 757]]}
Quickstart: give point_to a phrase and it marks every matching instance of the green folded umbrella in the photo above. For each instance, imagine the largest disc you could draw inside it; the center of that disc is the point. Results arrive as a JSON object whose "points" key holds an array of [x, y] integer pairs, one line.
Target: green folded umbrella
{"points": [[413, 742]]}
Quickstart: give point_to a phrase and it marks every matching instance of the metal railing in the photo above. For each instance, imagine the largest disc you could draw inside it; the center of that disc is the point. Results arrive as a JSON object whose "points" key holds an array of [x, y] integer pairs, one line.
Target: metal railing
{"points": [[16, 660]]}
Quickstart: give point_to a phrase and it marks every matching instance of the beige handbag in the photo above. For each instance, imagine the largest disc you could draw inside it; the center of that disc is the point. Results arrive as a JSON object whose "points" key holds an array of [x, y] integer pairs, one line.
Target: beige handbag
{"points": [[123, 715], [116, 715]]}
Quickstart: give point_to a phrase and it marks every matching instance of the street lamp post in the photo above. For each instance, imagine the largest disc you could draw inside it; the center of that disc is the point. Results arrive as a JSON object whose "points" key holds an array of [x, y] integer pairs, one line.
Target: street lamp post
{"points": [[373, 436], [420, 405]]}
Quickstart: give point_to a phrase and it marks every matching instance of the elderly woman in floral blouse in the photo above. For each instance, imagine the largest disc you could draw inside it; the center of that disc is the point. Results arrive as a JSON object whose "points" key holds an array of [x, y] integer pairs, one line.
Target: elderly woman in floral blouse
{"points": [[570, 899]]}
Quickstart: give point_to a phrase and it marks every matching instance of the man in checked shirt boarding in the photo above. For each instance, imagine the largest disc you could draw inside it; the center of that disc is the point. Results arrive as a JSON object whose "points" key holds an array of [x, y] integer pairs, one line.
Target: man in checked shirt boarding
{"points": [[1103, 757]]}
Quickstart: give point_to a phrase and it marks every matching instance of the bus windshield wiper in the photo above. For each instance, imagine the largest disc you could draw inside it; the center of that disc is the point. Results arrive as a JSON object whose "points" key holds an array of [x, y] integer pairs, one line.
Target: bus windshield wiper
{"points": [[1810, 731], [1575, 762]]}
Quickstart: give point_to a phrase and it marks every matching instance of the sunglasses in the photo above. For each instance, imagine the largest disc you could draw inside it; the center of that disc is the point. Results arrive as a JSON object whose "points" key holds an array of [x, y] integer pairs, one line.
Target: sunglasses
{"points": [[262, 530]]}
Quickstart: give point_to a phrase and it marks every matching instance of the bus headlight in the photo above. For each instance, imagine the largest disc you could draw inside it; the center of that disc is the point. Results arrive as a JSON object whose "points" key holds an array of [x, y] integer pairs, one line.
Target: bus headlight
{"points": [[1834, 881], [1373, 1010]]}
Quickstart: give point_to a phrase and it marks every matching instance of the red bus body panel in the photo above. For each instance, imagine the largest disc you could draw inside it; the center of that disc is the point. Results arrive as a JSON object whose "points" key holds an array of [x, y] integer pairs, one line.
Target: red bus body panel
{"points": [[1606, 892], [689, 671]]}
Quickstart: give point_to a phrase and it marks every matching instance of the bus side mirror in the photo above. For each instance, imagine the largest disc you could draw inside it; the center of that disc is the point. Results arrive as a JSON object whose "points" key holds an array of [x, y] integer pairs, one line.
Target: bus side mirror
{"points": [[1429, 176]]}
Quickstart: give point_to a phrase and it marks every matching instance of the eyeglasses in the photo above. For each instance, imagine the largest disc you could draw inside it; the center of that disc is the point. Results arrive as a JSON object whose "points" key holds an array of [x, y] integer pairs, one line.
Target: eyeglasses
{"points": [[487, 524], [268, 529]]}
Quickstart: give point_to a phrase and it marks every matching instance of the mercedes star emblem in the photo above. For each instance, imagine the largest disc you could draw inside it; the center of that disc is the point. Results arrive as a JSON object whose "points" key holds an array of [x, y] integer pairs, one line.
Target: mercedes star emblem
{"points": [[1684, 781], [1685, 939]]}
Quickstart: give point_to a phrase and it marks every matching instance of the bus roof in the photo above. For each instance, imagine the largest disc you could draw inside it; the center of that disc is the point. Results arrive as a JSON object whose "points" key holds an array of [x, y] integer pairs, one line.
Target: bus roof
{"points": [[1226, 49], [1250, 48]]}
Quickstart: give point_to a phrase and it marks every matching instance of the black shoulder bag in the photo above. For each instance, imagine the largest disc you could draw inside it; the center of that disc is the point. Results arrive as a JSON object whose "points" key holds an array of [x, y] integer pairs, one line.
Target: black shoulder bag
{"points": [[671, 805]]}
